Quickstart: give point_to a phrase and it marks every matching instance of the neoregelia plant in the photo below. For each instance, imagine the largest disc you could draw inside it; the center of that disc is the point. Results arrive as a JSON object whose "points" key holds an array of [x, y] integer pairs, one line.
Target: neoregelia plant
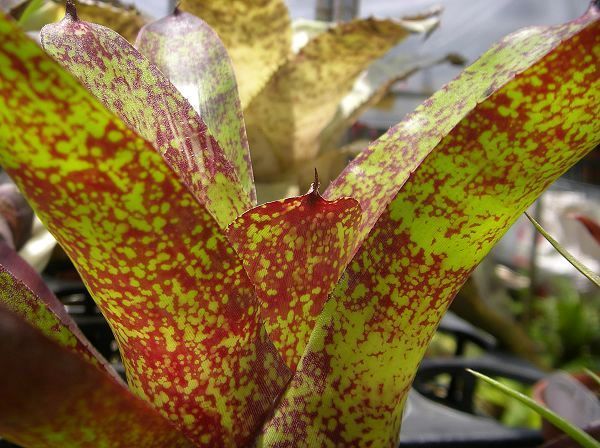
{"points": [[294, 323]]}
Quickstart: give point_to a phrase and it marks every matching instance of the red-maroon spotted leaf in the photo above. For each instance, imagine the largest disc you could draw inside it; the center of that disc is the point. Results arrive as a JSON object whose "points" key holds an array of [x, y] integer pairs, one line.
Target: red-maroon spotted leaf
{"points": [[195, 60], [509, 139], [295, 251], [135, 90], [53, 398], [183, 311], [16, 217], [23, 292]]}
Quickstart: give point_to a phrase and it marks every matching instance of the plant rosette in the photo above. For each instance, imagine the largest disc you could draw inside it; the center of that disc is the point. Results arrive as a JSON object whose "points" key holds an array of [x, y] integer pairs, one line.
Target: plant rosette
{"points": [[299, 322]]}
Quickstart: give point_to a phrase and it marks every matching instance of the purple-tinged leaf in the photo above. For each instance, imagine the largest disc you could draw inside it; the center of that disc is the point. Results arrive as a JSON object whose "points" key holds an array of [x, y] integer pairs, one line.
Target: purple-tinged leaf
{"points": [[53, 398], [16, 217], [23, 292], [136, 91], [195, 60]]}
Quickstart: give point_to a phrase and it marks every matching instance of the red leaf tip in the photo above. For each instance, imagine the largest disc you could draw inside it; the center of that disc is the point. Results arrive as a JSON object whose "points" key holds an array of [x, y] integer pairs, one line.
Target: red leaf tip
{"points": [[71, 10]]}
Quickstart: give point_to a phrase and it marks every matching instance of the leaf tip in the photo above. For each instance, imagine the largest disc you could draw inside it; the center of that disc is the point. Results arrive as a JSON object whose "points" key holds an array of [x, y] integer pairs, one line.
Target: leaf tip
{"points": [[71, 10], [314, 187]]}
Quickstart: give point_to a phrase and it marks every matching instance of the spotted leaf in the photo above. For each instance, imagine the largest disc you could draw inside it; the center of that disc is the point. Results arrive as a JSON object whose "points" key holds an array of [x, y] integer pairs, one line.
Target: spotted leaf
{"points": [[156, 262], [53, 398], [511, 135], [257, 34], [295, 251], [23, 292], [287, 116], [195, 60], [135, 90]]}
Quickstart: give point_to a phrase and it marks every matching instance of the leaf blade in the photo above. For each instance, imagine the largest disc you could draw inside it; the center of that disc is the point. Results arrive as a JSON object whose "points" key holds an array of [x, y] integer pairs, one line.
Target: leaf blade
{"points": [[195, 60], [421, 248], [44, 387], [255, 54], [23, 292], [154, 259], [136, 91], [304, 245], [593, 277], [303, 95], [568, 428]]}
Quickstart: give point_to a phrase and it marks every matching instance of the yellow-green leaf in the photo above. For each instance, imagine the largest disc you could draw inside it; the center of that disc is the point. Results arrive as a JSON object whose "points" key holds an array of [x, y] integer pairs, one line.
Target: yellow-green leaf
{"points": [[156, 262], [439, 189]]}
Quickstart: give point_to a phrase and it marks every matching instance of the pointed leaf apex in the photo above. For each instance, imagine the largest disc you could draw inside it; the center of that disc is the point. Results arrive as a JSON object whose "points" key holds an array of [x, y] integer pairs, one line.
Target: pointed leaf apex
{"points": [[177, 11], [314, 188], [71, 10]]}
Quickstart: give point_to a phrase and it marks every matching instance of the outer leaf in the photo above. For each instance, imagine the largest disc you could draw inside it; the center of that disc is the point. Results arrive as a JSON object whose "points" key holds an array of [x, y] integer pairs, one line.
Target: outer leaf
{"points": [[536, 116], [193, 57], [594, 278], [288, 115], [134, 89], [156, 262], [53, 398], [257, 34], [40, 308], [592, 226], [577, 434], [303, 246]]}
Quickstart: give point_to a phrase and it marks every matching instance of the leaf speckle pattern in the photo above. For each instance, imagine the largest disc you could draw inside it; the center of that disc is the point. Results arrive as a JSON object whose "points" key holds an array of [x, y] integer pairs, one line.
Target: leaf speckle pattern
{"points": [[157, 263], [138, 93], [294, 252], [352, 380]]}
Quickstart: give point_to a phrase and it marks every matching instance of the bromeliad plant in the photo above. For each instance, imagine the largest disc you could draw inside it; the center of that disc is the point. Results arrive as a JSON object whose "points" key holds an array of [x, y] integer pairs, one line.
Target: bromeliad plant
{"points": [[295, 323]]}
